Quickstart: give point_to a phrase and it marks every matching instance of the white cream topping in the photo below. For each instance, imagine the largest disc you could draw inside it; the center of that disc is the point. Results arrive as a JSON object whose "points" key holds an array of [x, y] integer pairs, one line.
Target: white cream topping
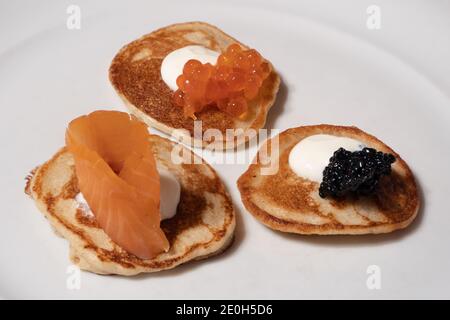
{"points": [[83, 205], [311, 155], [169, 196], [173, 63]]}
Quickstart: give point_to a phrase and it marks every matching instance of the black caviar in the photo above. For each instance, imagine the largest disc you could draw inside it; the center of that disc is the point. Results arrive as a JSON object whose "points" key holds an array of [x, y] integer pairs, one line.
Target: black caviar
{"points": [[354, 172]]}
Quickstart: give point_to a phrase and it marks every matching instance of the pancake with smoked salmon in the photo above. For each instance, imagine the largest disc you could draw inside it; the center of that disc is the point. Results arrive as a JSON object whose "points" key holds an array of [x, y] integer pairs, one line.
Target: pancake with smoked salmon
{"points": [[135, 74], [117, 176], [203, 225]]}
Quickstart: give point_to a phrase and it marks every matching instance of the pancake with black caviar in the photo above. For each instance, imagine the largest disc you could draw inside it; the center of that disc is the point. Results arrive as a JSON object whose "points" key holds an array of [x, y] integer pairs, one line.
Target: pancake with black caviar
{"points": [[289, 202], [135, 73]]}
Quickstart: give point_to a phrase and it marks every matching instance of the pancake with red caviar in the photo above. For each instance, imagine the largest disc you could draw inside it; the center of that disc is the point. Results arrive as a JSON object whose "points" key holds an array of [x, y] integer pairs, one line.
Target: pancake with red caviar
{"points": [[122, 237], [135, 73], [287, 202]]}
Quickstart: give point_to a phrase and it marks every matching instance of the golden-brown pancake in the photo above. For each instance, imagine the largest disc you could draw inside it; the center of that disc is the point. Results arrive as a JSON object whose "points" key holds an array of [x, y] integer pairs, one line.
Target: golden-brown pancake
{"points": [[203, 226], [287, 202], [135, 73]]}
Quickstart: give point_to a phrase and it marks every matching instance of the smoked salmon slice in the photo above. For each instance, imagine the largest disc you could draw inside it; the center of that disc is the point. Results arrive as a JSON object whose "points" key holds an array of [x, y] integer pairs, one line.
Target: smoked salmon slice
{"points": [[117, 176]]}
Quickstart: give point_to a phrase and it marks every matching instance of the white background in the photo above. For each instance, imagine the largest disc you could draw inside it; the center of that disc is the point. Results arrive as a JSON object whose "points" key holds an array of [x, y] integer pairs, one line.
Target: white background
{"points": [[391, 82]]}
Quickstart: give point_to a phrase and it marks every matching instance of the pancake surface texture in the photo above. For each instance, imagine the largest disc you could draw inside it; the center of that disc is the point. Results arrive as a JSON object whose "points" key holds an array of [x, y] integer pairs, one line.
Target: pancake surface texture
{"points": [[287, 202], [135, 73], [203, 226]]}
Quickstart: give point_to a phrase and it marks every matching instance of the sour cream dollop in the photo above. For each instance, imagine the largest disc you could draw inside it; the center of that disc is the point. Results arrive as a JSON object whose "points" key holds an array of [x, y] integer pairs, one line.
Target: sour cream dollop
{"points": [[170, 193], [311, 155], [173, 63], [169, 196]]}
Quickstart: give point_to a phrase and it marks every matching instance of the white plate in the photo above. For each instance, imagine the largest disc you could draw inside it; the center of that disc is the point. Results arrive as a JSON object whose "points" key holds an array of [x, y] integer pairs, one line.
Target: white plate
{"points": [[49, 75]]}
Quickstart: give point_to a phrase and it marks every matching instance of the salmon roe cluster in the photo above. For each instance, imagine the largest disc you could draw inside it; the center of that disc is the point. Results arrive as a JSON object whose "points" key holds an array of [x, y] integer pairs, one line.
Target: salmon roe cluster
{"points": [[228, 85]]}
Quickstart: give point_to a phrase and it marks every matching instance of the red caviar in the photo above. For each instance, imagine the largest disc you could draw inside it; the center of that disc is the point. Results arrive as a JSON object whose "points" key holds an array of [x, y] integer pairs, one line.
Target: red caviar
{"points": [[228, 85]]}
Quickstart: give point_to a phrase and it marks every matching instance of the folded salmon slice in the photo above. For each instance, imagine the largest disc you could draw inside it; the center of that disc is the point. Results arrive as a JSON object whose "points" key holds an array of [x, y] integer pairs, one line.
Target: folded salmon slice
{"points": [[117, 176]]}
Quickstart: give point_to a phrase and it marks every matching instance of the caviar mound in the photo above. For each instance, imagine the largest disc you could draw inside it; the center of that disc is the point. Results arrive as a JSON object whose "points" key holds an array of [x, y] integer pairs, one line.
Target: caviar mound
{"points": [[117, 176], [354, 172], [228, 85]]}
